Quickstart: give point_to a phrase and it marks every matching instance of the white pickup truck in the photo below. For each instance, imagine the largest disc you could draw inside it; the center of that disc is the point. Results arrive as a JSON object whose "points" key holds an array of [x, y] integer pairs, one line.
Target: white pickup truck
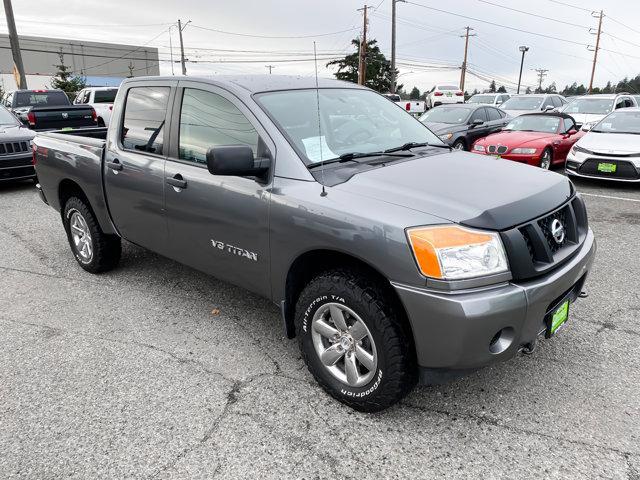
{"points": [[101, 99], [414, 107]]}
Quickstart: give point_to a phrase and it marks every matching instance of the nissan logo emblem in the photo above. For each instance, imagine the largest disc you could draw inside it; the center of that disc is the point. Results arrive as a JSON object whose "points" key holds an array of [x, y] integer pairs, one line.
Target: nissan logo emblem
{"points": [[557, 231]]}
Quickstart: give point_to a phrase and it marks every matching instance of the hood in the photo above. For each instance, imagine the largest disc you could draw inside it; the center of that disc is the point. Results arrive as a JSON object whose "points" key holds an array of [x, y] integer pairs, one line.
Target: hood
{"points": [[474, 190], [516, 139], [582, 118], [440, 128], [616, 143], [15, 132]]}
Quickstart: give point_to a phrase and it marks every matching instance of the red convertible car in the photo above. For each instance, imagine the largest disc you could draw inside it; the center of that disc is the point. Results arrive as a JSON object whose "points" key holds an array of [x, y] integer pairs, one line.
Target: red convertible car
{"points": [[539, 139]]}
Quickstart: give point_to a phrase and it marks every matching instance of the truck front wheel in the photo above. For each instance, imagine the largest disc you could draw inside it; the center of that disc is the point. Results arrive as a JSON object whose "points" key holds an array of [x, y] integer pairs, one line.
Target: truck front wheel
{"points": [[354, 342], [94, 250]]}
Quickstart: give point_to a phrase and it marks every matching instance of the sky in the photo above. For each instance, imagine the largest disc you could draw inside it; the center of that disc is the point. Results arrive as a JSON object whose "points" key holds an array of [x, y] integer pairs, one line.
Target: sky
{"points": [[244, 36]]}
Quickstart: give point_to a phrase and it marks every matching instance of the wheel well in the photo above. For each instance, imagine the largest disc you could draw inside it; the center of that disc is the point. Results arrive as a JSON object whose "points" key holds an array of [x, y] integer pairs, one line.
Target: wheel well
{"points": [[310, 264], [67, 189]]}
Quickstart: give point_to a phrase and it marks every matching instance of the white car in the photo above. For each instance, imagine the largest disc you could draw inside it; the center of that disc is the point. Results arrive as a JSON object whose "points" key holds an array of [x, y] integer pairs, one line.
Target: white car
{"points": [[101, 99], [530, 103], [610, 150], [495, 99], [444, 94], [590, 109]]}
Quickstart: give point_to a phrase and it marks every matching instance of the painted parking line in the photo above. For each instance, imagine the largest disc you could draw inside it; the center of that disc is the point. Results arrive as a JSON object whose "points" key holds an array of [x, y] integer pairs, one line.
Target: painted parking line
{"points": [[626, 199]]}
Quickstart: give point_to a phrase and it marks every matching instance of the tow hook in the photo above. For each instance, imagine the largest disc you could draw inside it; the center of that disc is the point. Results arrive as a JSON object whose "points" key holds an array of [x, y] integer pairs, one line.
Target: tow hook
{"points": [[528, 348], [583, 294]]}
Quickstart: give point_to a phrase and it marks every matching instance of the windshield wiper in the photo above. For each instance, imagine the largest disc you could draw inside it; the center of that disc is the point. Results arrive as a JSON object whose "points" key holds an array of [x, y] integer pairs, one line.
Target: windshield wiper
{"points": [[352, 156], [410, 145]]}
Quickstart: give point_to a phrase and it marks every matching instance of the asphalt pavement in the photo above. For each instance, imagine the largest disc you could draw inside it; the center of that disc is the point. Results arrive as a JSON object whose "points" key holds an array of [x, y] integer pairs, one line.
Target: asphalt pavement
{"points": [[155, 370]]}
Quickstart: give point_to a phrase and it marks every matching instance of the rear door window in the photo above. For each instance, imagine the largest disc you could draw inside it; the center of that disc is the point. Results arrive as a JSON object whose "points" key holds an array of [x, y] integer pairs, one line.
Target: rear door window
{"points": [[493, 114], [144, 119]]}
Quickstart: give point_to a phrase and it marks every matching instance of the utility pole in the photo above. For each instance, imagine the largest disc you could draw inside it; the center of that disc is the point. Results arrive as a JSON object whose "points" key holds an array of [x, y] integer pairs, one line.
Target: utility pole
{"points": [[393, 44], [463, 71], [15, 45], [182, 59], [524, 50], [270, 67], [171, 50], [542, 72], [362, 64], [595, 51]]}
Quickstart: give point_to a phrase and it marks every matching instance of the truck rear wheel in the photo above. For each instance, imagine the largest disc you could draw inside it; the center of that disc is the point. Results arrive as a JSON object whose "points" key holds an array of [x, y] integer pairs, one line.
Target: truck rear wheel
{"points": [[353, 342], [94, 250]]}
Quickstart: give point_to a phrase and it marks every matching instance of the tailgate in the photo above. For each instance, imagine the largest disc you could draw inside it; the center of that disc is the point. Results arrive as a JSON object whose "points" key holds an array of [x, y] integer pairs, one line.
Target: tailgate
{"points": [[56, 118]]}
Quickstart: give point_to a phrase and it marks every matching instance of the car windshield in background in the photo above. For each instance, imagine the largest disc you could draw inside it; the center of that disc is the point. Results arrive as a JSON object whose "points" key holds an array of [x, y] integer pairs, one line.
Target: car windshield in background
{"points": [[447, 115], [41, 99], [447, 87], [589, 105], [522, 103], [6, 118], [534, 123], [482, 99], [105, 96], [351, 120], [619, 122]]}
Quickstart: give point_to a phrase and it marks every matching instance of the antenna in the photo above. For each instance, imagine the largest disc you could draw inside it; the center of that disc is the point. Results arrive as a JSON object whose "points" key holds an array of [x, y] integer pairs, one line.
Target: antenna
{"points": [[315, 60]]}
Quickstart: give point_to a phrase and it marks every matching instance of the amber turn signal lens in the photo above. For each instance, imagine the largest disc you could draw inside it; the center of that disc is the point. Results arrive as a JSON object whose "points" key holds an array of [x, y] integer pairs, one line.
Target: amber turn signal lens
{"points": [[427, 241]]}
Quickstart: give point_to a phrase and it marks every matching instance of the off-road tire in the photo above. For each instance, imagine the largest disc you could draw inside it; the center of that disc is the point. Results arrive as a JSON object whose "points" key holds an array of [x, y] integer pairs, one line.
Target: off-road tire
{"points": [[106, 248], [396, 372]]}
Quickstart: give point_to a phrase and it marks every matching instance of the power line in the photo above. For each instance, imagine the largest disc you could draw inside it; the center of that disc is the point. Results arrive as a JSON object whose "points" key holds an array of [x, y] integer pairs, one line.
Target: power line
{"points": [[622, 24], [272, 36], [534, 14], [572, 6], [498, 24], [98, 24], [542, 72]]}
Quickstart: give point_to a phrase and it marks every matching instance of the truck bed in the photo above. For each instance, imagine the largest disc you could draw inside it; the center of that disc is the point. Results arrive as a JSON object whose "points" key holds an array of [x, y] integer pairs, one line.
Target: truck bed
{"points": [[75, 156], [62, 116]]}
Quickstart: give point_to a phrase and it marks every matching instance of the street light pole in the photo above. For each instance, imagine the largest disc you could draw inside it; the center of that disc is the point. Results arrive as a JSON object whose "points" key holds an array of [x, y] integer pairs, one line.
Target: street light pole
{"points": [[524, 50]]}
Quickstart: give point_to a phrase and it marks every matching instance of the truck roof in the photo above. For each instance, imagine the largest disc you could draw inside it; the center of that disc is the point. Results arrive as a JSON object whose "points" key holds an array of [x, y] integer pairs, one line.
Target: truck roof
{"points": [[256, 83]]}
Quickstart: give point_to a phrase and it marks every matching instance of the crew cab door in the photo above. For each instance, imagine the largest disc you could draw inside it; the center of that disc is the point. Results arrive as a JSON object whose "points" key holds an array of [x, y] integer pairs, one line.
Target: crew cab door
{"points": [[217, 224], [134, 164]]}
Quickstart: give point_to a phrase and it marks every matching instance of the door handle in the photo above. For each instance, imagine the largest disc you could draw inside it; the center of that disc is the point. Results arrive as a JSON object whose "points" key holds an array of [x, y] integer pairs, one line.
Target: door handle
{"points": [[177, 181], [115, 165]]}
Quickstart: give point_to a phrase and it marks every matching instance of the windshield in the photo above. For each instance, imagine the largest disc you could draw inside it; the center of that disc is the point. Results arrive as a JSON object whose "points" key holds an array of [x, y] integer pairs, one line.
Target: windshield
{"points": [[44, 99], [6, 118], [523, 103], [619, 122], [351, 120], [589, 105], [534, 123], [105, 96], [447, 115], [482, 99]]}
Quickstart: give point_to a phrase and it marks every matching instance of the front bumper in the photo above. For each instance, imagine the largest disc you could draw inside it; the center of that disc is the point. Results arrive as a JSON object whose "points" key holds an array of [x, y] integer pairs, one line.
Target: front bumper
{"points": [[533, 160], [584, 165], [16, 168], [456, 331]]}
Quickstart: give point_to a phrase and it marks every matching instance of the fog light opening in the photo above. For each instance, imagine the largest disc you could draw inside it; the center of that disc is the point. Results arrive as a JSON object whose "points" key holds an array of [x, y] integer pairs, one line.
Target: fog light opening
{"points": [[501, 340]]}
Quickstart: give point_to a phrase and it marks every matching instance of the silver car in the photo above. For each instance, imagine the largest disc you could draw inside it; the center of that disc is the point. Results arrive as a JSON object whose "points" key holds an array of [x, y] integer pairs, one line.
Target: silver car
{"points": [[610, 150]]}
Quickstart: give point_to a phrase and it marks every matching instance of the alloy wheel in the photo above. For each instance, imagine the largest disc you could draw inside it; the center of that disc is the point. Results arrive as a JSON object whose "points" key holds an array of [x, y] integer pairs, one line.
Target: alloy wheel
{"points": [[81, 236]]}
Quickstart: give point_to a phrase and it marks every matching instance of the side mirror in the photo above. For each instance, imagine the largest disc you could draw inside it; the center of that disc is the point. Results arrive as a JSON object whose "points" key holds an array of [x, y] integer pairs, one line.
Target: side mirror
{"points": [[237, 161], [477, 122], [548, 108]]}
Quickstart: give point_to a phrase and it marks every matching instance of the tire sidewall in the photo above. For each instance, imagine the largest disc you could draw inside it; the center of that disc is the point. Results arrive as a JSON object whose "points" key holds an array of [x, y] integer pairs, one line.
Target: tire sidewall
{"points": [[308, 306], [76, 206], [546, 150]]}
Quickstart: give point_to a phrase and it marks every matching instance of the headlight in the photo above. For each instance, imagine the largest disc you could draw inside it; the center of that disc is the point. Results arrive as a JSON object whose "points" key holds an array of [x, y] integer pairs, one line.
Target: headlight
{"points": [[446, 136], [478, 148], [455, 253], [525, 151], [577, 149]]}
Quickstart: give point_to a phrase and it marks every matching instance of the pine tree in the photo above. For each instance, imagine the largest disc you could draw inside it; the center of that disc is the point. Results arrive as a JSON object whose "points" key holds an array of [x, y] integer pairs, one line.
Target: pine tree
{"points": [[65, 80]]}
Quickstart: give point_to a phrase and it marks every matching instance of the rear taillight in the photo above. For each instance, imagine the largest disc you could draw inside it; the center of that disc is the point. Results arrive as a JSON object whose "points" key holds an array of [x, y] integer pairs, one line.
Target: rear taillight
{"points": [[407, 107], [459, 94], [31, 118], [94, 116], [438, 94]]}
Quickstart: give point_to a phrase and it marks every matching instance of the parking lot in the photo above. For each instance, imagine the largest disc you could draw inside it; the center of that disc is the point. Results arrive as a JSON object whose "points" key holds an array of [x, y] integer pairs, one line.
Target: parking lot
{"points": [[157, 371]]}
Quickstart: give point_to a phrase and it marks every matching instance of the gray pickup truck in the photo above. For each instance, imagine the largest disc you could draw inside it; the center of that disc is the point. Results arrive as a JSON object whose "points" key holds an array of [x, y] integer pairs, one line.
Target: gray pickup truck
{"points": [[393, 258]]}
